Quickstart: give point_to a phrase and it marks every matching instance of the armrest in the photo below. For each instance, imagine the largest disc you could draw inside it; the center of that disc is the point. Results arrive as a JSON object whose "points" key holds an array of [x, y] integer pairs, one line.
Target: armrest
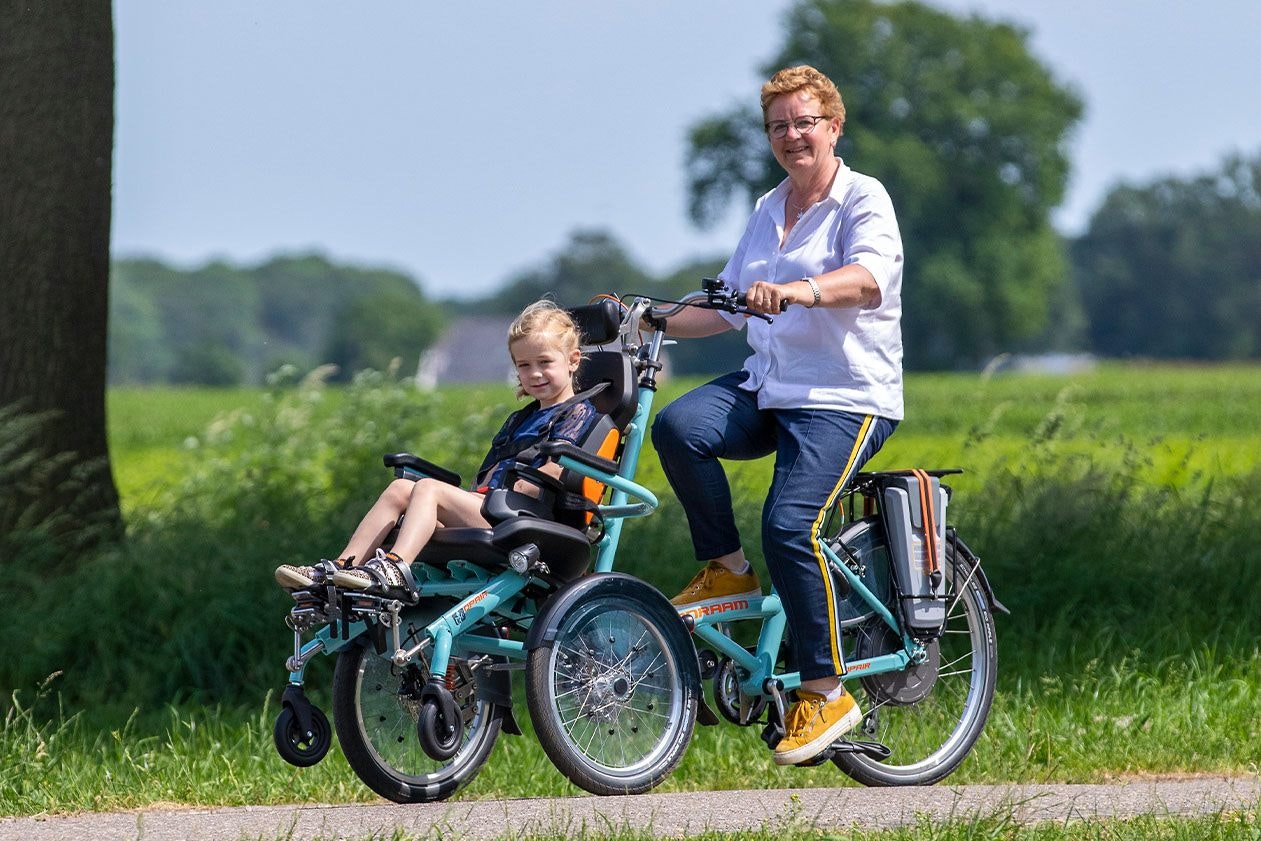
{"points": [[403, 462], [555, 449], [536, 477]]}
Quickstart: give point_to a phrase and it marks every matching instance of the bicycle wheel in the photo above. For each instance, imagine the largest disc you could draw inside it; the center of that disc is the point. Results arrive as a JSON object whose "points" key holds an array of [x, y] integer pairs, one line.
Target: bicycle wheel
{"points": [[930, 715], [376, 706], [613, 696]]}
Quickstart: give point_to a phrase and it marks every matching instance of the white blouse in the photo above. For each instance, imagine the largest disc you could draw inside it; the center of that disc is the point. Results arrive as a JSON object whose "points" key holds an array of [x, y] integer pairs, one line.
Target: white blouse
{"points": [[825, 357]]}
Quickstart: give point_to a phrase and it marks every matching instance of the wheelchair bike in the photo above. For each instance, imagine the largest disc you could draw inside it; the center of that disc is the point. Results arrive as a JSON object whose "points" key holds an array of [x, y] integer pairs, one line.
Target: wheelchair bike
{"points": [[613, 678]]}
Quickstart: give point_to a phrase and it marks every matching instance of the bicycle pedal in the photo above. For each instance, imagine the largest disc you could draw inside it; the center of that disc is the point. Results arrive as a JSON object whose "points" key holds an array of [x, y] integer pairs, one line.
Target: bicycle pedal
{"points": [[818, 759], [875, 750]]}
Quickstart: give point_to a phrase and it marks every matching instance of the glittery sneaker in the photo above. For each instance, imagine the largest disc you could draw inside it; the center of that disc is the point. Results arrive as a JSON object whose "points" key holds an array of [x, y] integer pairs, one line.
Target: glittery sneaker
{"points": [[295, 577], [813, 724]]}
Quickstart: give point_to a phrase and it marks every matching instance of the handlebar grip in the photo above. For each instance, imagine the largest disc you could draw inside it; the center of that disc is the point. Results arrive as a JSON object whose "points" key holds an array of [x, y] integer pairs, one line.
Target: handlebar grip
{"points": [[742, 300]]}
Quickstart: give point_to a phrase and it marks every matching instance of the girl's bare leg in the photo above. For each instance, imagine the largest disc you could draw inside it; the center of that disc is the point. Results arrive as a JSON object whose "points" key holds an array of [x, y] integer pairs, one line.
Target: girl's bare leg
{"points": [[376, 524], [433, 503]]}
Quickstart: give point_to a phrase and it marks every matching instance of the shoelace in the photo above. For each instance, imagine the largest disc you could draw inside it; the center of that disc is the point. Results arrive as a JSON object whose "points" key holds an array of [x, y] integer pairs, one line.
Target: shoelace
{"points": [[803, 714], [702, 579]]}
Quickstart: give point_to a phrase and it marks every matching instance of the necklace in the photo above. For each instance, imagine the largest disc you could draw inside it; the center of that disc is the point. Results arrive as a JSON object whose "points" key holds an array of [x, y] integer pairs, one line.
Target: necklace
{"points": [[801, 209]]}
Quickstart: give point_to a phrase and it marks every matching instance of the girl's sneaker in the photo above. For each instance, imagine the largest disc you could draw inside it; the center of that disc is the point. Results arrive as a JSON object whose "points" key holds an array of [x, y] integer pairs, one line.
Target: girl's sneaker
{"points": [[385, 575], [295, 577]]}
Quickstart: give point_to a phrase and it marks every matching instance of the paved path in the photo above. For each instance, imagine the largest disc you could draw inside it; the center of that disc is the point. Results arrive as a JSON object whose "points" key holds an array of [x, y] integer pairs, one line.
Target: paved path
{"points": [[667, 815]]}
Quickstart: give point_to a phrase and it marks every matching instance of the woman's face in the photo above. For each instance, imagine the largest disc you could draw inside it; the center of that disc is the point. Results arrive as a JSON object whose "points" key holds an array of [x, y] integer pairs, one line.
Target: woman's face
{"points": [[800, 154]]}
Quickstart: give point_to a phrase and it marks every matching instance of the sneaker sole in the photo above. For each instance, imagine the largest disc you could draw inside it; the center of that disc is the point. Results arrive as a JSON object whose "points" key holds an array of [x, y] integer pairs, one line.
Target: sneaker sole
{"points": [[718, 601], [350, 582], [291, 580], [821, 743]]}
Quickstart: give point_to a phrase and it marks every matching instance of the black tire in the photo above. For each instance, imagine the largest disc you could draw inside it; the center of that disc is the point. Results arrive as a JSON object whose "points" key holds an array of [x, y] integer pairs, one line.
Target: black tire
{"points": [[298, 747], [930, 736], [376, 707], [613, 696]]}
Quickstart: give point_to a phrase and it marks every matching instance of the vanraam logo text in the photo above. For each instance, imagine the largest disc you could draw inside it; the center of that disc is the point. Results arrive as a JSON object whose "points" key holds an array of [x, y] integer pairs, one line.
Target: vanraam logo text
{"points": [[714, 609]]}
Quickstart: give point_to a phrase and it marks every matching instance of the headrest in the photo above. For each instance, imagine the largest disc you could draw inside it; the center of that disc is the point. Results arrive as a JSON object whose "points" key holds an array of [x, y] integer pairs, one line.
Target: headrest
{"points": [[619, 400], [599, 322]]}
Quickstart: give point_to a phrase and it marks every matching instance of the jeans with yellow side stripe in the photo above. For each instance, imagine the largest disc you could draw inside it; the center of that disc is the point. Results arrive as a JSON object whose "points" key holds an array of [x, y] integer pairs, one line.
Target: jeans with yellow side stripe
{"points": [[817, 451]]}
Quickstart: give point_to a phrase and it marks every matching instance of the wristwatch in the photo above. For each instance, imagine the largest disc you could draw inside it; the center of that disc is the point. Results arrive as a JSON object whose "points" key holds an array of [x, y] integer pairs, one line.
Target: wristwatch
{"points": [[814, 287]]}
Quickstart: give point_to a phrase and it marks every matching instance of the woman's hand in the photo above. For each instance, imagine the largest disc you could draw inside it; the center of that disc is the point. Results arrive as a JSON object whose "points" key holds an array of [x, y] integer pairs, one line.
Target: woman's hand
{"points": [[768, 298]]}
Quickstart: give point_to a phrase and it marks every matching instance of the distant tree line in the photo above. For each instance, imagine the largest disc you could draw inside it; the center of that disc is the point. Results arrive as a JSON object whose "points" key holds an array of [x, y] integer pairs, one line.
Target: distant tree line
{"points": [[1170, 269], [221, 324]]}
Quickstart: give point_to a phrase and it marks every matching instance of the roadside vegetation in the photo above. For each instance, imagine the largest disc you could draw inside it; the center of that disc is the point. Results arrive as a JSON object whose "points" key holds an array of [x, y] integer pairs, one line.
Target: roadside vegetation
{"points": [[1113, 511]]}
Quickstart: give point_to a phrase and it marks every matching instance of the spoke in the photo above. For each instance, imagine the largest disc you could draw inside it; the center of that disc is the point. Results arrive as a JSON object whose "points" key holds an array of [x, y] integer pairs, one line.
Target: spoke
{"points": [[961, 590], [954, 673], [963, 656]]}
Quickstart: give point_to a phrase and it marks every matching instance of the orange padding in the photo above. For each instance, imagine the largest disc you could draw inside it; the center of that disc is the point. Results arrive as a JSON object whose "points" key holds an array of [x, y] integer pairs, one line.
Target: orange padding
{"points": [[592, 489]]}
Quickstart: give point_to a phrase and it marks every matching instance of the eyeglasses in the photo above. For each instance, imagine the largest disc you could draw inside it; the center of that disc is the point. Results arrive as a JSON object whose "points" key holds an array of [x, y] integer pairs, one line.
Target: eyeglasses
{"points": [[778, 129]]}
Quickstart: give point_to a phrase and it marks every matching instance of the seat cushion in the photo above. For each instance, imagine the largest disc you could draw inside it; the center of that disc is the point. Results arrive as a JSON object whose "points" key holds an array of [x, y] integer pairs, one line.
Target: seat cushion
{"points": [[464, 544]]}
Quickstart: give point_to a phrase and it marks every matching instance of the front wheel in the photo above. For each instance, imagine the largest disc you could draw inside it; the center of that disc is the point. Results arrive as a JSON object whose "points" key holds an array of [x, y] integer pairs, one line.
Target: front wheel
{"points": [[376, 709], [299, 747], [930, 715], [613, 695]]}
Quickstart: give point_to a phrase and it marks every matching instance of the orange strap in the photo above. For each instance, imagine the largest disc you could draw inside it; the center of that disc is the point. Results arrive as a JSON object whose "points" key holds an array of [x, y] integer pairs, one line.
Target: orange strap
{"points": [[930, 520]]}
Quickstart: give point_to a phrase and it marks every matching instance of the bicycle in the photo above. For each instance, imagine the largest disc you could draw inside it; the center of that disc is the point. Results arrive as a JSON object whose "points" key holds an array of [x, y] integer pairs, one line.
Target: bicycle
{"points": [[613, 679]]}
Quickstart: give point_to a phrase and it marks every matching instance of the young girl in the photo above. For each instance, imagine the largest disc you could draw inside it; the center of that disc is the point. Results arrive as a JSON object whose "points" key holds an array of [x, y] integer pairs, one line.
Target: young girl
{"points": [[543, 343]]}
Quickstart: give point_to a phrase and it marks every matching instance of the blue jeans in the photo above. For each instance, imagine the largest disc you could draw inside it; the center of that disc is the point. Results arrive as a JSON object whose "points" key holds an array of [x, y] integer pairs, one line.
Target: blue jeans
{"points": [[817, 451]]}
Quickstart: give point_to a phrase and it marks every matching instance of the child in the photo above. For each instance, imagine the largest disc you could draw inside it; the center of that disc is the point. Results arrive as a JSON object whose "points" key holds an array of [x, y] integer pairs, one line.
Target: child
{"points": [[543, 342]]}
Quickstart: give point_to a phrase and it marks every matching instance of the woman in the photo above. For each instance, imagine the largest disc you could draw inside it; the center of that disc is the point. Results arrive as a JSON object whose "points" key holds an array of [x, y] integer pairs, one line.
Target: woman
{"points": [[822, 389]]}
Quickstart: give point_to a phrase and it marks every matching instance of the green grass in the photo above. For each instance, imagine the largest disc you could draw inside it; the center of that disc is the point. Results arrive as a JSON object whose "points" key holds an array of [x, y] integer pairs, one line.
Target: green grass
{"points": [[1193, 420], [1225, 826]]}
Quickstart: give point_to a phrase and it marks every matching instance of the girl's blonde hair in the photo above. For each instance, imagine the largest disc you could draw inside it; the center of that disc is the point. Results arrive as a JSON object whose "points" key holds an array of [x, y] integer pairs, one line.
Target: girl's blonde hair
{"points": [[546, 318]]}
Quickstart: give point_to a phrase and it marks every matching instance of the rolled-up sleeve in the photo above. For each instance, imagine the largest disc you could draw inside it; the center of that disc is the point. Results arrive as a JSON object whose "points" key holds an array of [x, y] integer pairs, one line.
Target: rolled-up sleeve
{"points": [[870, 235]]}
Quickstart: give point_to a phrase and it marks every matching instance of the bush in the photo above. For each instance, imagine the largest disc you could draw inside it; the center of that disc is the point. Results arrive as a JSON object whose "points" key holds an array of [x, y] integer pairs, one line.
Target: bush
{"points": [[187, 608]]}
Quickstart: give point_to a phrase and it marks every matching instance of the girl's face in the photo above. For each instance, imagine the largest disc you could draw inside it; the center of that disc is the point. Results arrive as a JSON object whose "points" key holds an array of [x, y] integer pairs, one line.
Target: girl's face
{"points": [[546, 371]]}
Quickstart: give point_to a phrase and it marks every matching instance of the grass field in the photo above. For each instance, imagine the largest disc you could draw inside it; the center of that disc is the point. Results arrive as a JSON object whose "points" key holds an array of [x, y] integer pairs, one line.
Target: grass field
{"points": [[1113, 511], [1190, 421]]}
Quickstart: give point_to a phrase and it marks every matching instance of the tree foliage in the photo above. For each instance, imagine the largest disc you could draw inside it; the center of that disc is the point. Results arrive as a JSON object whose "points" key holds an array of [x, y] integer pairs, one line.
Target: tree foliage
{"points": [[591, 262], [1172, 269], [221, 324], [966, 129]]}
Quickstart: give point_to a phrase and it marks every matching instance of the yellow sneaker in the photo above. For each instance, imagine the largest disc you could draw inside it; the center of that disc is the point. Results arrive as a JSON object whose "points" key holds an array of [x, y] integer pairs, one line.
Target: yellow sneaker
{"points": [[714, 585], [813, 723]]}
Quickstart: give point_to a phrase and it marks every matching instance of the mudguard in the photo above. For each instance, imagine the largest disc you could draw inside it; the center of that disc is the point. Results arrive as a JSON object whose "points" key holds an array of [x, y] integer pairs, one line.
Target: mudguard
{"points": [[544, 629], [961, 547]]}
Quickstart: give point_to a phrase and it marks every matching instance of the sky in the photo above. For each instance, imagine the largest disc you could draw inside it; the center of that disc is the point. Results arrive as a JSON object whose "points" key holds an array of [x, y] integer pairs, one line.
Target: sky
{"points": [[463, 143]]}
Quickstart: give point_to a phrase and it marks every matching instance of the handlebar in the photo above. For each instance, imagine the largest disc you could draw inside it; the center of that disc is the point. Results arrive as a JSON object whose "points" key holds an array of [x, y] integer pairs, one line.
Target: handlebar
{"points": [[713, 295]]}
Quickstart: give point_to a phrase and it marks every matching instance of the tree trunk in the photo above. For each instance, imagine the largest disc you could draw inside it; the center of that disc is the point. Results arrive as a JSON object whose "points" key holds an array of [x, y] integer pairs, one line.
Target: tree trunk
{"points": [[56, 148]]}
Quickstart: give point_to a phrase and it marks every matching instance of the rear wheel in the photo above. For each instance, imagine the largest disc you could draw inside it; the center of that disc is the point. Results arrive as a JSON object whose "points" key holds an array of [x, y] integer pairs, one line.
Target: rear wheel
{"points": [[376, 708], [930, 715], [613, 696]]}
